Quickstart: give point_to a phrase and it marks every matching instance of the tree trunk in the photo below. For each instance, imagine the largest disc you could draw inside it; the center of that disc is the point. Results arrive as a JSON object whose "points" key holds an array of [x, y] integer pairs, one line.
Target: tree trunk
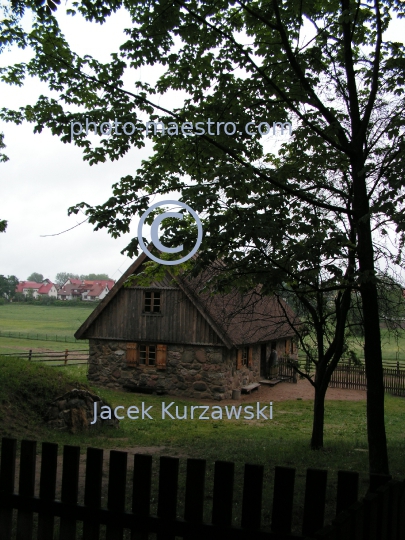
{"points": [[319, 415], [377, 441]]}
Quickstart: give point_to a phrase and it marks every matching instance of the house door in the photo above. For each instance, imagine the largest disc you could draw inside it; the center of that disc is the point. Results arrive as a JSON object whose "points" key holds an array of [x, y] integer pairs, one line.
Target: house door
{"points": [[263, 361]]}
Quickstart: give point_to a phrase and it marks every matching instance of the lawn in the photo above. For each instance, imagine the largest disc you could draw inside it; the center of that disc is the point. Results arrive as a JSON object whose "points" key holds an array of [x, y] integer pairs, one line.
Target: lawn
{"points": [[25, 390], [50, 321]]}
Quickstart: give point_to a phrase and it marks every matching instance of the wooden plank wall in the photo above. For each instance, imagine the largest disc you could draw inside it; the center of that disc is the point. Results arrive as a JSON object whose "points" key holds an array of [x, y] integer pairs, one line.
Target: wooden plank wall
{"points": [[178, 322]]}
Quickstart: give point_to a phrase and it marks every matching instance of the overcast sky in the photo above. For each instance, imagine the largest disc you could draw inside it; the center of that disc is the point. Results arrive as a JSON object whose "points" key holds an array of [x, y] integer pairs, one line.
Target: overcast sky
{"points": [[44, 176]]}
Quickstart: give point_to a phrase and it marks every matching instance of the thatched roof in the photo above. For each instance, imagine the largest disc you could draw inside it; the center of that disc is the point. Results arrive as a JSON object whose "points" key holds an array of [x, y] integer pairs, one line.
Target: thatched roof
{"points": [[238, 319]]}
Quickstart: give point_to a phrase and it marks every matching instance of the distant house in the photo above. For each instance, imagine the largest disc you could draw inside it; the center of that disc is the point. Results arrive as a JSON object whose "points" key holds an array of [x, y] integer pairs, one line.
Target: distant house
{"points": [[75, 289], [171, 338], [46, 288], [69, 292]]}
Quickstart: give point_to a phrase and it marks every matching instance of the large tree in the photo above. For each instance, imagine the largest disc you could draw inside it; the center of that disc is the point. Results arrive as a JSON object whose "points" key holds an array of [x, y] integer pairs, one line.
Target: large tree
{"points": [[7, 286], [94, 277], [35, 276], [3, 158], [62, 277], [335, 187]]}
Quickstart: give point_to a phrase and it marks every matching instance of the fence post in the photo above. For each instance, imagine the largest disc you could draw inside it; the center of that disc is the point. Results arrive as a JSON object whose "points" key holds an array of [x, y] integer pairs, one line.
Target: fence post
{"points": [[116, 491], [26, 488], [347, 490], [194, 501], [30, 355], [7, 474], [223, 493], [252, 496], [168, 493], [70, 489], [47, 488], [281, 520], [314, 502], [66, 356], [141, 492]]}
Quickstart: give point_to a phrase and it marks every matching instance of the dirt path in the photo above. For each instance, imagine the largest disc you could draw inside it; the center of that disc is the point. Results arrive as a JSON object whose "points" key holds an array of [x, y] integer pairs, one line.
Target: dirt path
{"points": [[302, 390], [286, 391]]}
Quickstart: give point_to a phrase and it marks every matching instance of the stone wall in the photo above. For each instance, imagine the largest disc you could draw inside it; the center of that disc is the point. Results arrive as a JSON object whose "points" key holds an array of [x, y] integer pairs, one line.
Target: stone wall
{"points": [[191, 371], [74, 412]]}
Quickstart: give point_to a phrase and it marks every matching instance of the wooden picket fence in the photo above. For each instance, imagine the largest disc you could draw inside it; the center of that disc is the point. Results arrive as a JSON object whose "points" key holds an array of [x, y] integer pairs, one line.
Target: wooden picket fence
{"points": [[348, 375], [381, 516], [351, 376]]}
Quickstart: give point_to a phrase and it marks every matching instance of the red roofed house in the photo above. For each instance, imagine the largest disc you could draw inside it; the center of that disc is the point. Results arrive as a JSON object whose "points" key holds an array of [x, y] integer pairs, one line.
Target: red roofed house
{"points": [[85, 289], [46, 288], [96, 291]]}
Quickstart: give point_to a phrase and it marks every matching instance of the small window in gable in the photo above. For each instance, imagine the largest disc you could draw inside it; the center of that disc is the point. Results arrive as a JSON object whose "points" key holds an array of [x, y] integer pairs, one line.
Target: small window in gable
{"points": [[152, 302]]}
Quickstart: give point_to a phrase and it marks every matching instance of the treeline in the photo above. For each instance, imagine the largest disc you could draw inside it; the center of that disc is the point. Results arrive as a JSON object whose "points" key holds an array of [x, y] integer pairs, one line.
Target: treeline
{"points": [[20, 298]]}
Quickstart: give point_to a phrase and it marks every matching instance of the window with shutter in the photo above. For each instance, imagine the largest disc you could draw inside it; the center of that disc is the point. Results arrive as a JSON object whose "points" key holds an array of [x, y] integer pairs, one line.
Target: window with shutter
{"points": [[250, 356], [239, 359], [132, 354], [147, 355], [161, 356]]}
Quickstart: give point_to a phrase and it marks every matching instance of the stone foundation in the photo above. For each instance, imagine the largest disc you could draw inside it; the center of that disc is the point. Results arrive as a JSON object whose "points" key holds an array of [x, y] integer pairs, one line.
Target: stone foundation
{"points": [[191, 371]]}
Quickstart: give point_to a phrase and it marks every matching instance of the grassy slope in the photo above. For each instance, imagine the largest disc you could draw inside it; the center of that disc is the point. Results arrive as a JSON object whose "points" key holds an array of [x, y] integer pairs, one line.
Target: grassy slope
{"points": [[51, 320], [25, 390]]}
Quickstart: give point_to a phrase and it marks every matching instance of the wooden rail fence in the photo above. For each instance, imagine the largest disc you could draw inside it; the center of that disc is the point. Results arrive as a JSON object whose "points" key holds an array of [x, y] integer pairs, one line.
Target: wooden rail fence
{"points": [[76, 356], [40, 337], [386, 508]]}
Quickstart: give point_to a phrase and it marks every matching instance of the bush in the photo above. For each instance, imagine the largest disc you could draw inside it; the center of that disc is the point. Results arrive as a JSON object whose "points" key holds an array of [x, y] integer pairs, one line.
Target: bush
{"points": [[49, 301], [2, 301]]}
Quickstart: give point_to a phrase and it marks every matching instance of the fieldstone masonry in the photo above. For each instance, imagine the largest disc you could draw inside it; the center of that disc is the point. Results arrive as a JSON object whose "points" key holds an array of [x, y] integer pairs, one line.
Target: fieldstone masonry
{"points": [[74, 411], [191, 371]]}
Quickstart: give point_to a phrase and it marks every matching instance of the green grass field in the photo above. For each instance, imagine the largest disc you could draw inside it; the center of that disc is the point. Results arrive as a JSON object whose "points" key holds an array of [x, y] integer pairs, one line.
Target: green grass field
{"points": [[64, 321], [393, 348], [25, 390], [43, 320]]}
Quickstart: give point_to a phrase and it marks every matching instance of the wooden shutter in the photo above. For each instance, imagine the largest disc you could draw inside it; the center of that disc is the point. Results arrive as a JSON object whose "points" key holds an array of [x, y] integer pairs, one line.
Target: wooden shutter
{"points": [[250, 356], [132, 354], [161, 355], [239, 359]]}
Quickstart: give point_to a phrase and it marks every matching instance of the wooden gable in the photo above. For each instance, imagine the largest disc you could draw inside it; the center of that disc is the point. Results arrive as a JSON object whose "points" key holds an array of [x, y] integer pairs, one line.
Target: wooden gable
{"points": [[178, 322]]}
